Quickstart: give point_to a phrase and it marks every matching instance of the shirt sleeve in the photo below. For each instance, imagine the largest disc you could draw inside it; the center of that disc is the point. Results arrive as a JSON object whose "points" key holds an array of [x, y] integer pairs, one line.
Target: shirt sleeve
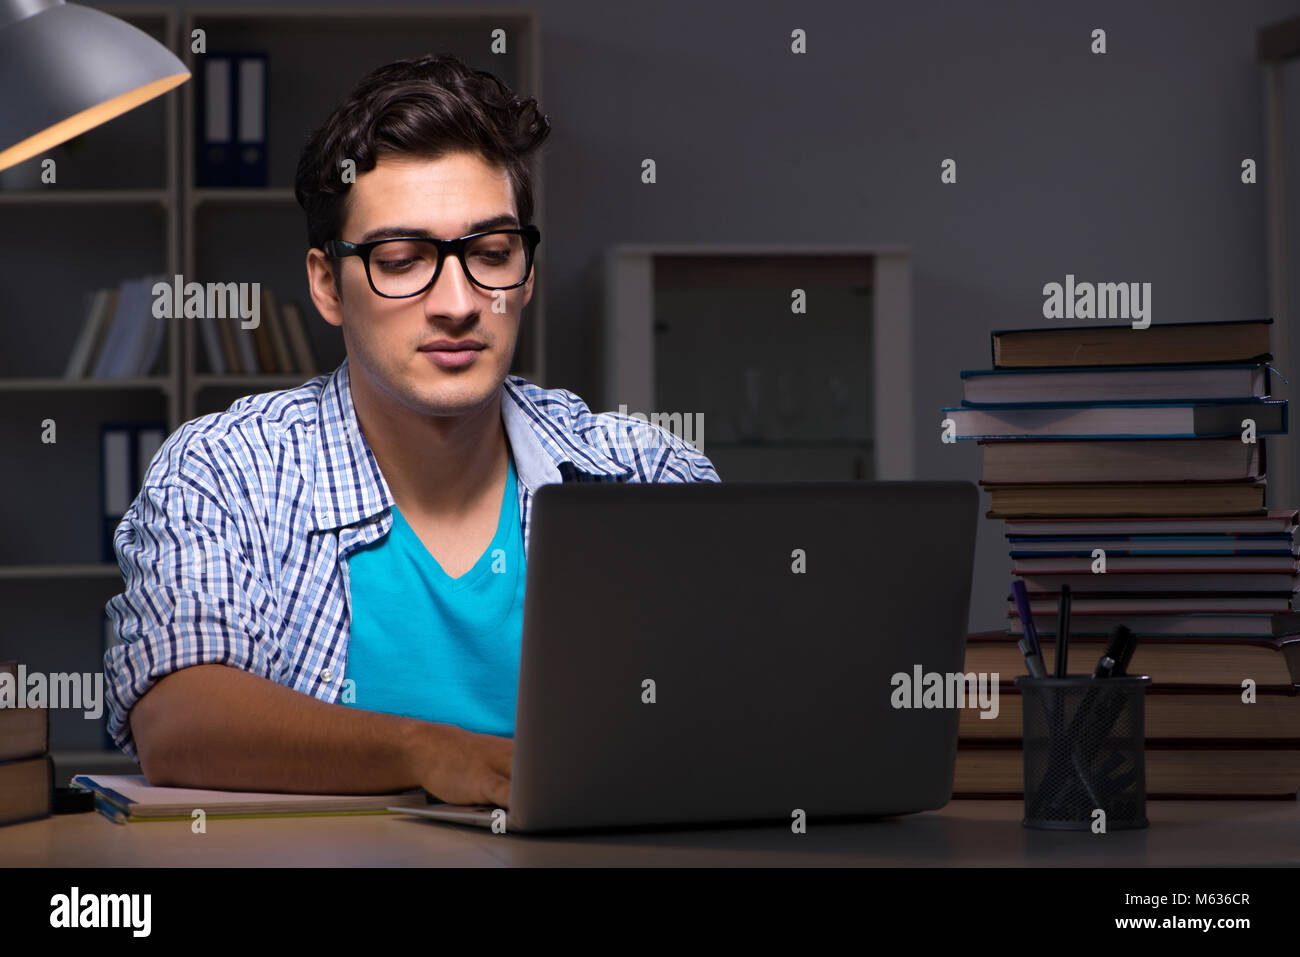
{"points": [[684, 463], [656, 453], [192, 596]]}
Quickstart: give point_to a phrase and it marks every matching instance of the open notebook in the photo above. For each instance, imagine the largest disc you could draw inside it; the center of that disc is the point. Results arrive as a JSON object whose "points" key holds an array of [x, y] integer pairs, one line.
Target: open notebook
{"points": [[131, 798]]}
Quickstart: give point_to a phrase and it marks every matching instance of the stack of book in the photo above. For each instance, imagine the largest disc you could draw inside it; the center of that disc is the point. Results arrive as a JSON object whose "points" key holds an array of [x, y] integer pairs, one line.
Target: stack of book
{"points": [[26, 771], [278, 344], [119, 336], [1130, 465]]}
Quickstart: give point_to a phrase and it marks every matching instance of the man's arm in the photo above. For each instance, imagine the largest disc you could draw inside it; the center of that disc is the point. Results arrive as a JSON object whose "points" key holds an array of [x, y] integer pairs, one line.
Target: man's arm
{"points": [[197, 671], [220, 727]]}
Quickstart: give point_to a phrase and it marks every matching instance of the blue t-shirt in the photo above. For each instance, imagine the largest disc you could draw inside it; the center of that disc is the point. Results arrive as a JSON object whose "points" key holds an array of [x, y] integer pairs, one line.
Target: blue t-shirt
{"points": [[426, 645]]}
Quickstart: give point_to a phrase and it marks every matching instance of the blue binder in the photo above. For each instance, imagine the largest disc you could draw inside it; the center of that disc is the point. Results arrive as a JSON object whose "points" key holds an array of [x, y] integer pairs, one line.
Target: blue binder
{"points": [[231, 120], [214, 153], [250, 119]]}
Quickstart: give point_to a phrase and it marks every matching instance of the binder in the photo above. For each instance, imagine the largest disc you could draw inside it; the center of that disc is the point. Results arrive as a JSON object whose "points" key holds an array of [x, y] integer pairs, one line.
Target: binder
{"points": [[115, 481], [215, 157], [250, 118], [126, 450]]}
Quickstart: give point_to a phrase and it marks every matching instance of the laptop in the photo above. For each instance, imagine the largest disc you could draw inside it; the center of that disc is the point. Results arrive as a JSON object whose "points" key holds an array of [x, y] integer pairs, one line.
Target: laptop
{"points": [[727, 652]]}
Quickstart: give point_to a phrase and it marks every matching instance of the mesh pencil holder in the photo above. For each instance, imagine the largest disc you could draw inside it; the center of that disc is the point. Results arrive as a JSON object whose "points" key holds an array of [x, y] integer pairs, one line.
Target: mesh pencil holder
{"points": [[1084, 740]]}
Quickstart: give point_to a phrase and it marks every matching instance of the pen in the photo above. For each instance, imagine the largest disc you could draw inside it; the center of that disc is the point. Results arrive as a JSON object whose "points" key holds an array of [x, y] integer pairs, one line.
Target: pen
{"points": [[1058, 709], [1029, 644], [109, 810], [1063, 632]]}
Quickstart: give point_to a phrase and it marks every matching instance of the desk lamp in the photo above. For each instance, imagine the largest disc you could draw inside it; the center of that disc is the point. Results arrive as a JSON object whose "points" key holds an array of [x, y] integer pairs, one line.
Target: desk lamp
{"points": [[65, 68]]}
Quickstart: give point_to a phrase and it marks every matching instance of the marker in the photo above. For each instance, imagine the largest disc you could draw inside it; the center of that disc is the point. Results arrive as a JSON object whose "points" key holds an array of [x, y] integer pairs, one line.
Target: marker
{"points": [[1126, 653], [1029, 644], [1063, 632], [1032, 661], [1106, 664]]}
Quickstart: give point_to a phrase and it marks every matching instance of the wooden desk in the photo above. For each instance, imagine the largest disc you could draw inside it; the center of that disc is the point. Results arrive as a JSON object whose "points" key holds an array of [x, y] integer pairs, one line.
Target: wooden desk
{"points": [[965, 833]]}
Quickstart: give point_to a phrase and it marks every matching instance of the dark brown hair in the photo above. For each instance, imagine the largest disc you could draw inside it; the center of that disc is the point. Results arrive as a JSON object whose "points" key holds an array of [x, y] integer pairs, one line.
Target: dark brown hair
{"points": [[427, 106]]}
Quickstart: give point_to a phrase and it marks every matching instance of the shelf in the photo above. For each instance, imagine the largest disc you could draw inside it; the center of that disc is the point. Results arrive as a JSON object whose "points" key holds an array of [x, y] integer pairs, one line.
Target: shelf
{"points": [[87, 197], [803, 444], [58, 384], [351, 18], [269, 379], [61, 570], [270, 196], [278, 380]]}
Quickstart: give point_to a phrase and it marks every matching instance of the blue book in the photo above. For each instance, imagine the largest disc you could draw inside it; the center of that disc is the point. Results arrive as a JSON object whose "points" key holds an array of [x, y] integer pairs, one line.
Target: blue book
{"points": [[1146, 383], [1118, 420]]}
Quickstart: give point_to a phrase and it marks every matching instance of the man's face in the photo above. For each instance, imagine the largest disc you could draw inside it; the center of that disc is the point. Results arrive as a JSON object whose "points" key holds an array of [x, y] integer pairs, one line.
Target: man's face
{"points": [[446, 197]]}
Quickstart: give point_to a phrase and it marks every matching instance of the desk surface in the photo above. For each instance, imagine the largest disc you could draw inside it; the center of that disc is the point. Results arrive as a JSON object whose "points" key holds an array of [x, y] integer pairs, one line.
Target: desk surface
{"points": [[964, 833]]}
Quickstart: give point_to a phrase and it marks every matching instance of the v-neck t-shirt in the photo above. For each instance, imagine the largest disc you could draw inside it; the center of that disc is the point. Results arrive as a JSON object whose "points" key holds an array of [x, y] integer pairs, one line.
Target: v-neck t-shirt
{"points": [[426, 645]]}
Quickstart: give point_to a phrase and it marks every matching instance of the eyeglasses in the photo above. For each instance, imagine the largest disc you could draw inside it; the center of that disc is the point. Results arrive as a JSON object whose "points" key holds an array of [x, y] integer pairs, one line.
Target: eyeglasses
{"points": [[405, 267]]}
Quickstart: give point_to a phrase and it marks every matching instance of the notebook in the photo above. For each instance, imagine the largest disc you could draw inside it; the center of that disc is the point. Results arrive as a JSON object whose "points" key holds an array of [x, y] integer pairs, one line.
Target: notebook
{"points": [[130, 797]]}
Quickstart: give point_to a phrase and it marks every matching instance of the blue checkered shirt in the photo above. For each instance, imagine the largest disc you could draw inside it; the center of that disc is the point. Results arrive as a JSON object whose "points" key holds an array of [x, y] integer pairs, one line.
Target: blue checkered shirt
{"points": [[234, 552]]}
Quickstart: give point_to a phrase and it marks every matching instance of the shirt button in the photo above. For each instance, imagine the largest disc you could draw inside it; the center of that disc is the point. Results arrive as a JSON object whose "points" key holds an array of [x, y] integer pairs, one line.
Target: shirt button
{"points": [[327, 675]]}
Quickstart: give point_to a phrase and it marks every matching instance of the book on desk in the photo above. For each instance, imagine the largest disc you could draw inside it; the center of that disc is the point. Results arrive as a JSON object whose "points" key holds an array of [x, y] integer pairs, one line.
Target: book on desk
{"points": [[1121, 463], [26, 771]]}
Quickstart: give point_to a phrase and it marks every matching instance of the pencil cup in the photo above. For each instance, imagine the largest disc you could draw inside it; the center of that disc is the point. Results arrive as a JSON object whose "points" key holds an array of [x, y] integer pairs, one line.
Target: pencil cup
{"points": [[1084, 751]]}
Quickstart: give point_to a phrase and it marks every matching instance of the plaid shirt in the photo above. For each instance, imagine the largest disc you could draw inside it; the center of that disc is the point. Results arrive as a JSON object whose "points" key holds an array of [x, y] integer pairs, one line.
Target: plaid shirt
{"points": [[235, 550]]}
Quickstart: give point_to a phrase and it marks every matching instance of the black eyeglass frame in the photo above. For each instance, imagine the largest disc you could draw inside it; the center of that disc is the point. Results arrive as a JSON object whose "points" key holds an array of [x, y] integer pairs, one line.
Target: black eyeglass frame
{"points": [[340, 248]]}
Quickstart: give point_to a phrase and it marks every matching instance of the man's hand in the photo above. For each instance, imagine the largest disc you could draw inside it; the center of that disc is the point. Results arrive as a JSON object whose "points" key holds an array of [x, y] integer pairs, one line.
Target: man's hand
{"points": [[461, 767]]}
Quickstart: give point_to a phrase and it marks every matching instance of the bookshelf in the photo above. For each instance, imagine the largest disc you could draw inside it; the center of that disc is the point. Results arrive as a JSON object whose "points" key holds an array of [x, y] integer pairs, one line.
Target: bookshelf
{"points": [[133, 179], [119, 181], [707, 330]]}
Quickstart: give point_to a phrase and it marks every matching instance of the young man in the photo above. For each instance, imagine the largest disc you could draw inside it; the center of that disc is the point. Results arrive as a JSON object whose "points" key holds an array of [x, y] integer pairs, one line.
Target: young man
{"points": [[324, 585]]}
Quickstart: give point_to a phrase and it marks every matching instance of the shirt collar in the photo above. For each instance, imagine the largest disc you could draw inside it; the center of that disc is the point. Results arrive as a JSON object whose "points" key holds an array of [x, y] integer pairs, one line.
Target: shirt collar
{"points": [[349, 487]]}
